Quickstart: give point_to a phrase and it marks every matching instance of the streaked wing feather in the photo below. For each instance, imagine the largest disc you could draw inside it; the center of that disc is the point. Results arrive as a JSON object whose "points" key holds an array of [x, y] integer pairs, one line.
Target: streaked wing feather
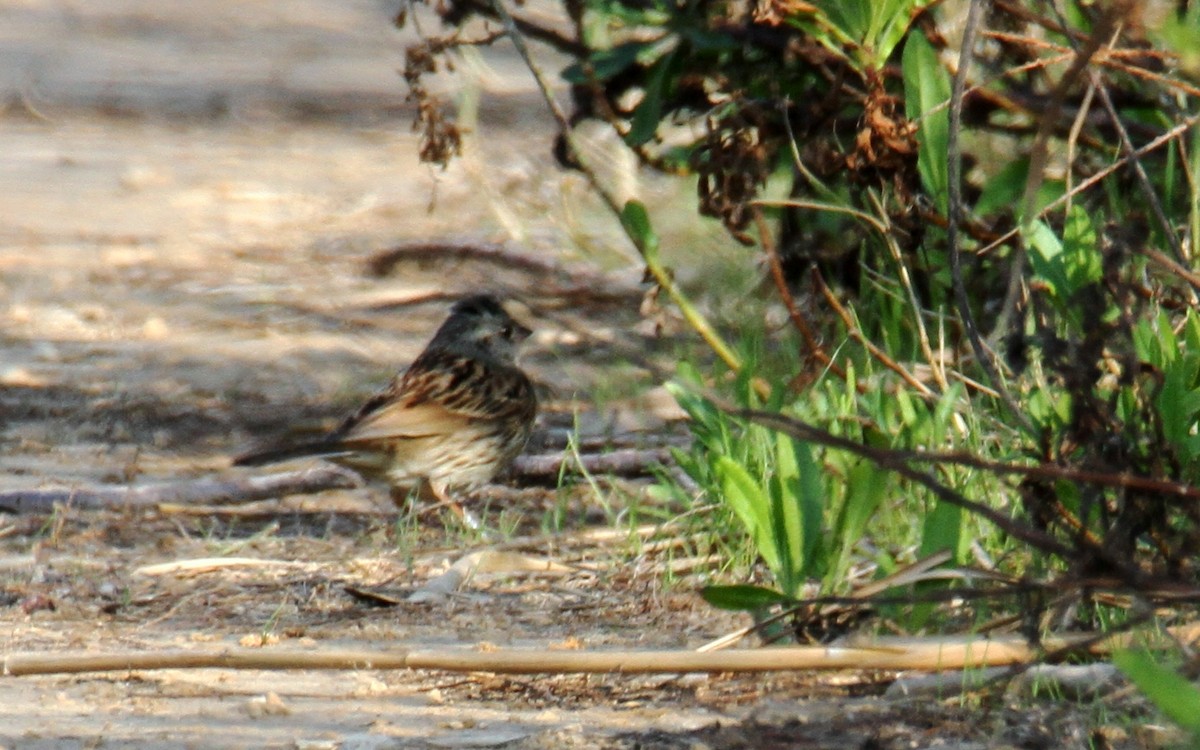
{"points": [[441, 392], [398, 420]]}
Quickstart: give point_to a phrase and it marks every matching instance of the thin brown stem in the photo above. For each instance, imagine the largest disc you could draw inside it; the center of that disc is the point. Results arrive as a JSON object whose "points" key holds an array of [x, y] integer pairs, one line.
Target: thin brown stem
{"points": [[856, 333], [799, 322]]}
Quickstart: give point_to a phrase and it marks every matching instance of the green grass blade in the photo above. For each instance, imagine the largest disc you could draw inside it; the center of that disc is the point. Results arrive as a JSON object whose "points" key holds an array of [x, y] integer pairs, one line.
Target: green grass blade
{"points": [[926, 87]]}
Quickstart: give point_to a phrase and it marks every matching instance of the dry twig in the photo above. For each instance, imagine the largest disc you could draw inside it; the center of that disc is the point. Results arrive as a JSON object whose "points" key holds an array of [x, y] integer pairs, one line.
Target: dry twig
{"points": [[576, 280], [627, 462], [206, 490], [799, 322], [885, 653]]}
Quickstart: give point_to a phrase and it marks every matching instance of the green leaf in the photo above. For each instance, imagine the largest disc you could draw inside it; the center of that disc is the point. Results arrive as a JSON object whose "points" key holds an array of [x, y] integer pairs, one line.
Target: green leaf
{"points": [[1082, 264], [603, 16], [645, 120], [877, 26], [812, 503], [749, 503], [1046, 257], [636, 221], [1174, 695], [743, 597], [787, 514], [709, 424], [1178, 405], [944, 412], [866, 488], [1004, 190], [1066, 266], [606, 64], [1191, 331], [926, 87], [890, 22], [906, 407], [1155, 342], [943, 530]]}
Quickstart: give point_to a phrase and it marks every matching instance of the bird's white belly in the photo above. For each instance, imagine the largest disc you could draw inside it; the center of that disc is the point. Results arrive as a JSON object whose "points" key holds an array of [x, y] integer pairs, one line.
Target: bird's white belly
{"points": [[465, 458]]}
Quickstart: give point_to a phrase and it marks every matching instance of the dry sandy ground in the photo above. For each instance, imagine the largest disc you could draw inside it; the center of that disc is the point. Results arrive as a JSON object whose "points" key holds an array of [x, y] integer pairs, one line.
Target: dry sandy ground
{"points": [[190, 192]]}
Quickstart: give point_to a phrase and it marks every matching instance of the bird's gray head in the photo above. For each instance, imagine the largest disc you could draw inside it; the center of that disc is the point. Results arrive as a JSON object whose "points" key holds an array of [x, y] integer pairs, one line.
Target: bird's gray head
{"points": [[478, 326]]}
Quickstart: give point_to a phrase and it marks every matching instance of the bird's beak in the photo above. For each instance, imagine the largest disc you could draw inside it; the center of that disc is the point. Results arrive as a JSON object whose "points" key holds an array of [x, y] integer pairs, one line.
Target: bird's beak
{"points": [[520, 332]]}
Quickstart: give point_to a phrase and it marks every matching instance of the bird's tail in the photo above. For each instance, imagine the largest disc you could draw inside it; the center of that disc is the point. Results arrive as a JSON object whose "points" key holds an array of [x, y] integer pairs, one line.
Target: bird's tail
{"points": [[279, 454]]}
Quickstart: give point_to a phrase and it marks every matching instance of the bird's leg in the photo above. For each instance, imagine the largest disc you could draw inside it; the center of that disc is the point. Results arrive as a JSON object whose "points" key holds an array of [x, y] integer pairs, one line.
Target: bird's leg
{"points": [[445, 501]]}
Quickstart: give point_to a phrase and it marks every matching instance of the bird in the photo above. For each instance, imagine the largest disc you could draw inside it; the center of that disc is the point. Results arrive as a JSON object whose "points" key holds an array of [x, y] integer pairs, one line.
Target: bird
{"points": [[454, 419]]}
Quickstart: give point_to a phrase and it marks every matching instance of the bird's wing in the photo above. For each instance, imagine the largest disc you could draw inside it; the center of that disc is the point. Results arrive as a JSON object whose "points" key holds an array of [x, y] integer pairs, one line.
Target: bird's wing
{"points": [[441, 392]]}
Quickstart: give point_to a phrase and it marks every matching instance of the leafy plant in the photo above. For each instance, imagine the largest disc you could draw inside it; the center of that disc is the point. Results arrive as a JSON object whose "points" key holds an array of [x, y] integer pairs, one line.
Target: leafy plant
{"points": [[1176, 696], [1045, 326], [771, 484]]}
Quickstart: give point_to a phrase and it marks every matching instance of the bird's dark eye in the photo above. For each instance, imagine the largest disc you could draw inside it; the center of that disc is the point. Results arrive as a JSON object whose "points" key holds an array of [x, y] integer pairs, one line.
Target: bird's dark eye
{"points": [[506, 332]]}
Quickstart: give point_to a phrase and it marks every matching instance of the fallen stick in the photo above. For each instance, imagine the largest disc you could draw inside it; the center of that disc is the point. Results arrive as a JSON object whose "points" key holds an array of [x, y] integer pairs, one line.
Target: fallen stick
{"points": [[560, 438], [207, 490], [428, 251], [930, 654], [626, 462], [574, 281], [200, 565]]}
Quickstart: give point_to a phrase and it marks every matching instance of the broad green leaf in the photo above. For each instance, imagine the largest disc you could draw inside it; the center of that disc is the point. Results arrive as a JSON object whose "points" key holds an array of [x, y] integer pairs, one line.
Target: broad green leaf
{"points": [[709, 425], [943, 530], [749, 503], [743, 597], [1167, 340], [1173, 693], [927, 87], [890, 23], [812, 502], [1191, 331], [1068, 265], [787, 521], [866, 488]]}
